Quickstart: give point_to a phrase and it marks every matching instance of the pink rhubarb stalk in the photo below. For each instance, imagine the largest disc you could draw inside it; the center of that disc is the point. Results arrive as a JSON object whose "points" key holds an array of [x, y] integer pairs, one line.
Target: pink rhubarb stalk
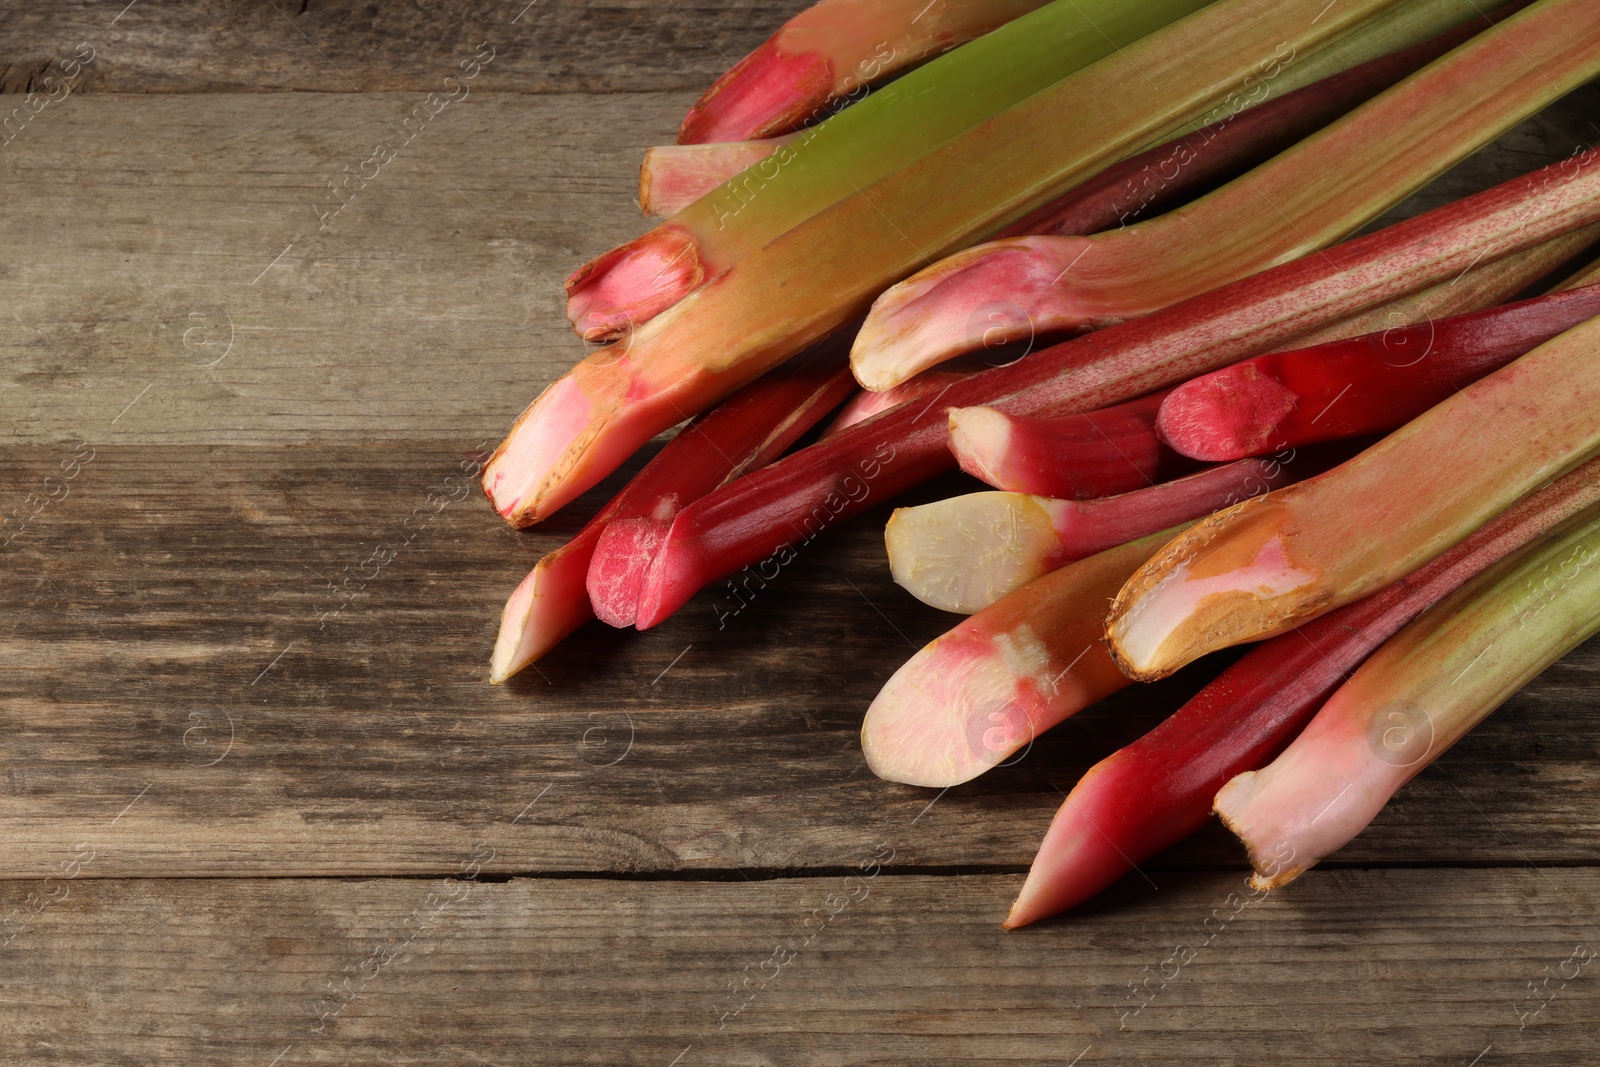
{"points": [[1414, 698], [976, 695], [748, 430], [1304, 199], [1069, 457], [1367, 385], [830, 52], [787, 504], [1157, 791], [1262, 567], [965, 553]]}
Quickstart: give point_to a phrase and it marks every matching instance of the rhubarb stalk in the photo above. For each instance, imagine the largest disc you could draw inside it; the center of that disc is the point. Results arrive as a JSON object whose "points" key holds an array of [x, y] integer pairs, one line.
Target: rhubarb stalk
{"points": [[976, 695], [854, 149], [1302, 200], [1158, 790], [1268, 564], [1417, 695], [790, 502], [1366, 385], [1070, 457], [827, 54], [813, 278], [964, 553], [748, 430]]}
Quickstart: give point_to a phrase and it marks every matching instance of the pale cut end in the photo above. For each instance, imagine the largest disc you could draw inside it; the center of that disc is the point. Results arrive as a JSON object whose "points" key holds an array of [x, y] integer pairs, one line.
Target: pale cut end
{"points": [[980, 439], [768, 92], [633, 283], [965, 553], [991, 295], [674, 176], [1228, 580], [1272, 866], [538, 444], [546, 606], [622, 559], [1229, 414], [959, 707]]}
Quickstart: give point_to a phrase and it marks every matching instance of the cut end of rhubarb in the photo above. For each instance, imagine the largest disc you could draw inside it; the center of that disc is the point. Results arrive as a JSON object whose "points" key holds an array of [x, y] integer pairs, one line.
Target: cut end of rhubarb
{"points": [[1229, 414], [957, 708], [1273, 867], [1186, 602], [548, 605], [985, 297], [767, 92], [631, 284], [965, 553], [980, 438], [622, 559], [675, 575], [540, 441], [675, 176]]}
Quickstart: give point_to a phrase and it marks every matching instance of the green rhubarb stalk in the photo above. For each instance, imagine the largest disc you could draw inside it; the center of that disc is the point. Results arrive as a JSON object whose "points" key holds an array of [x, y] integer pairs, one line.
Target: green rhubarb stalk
{"points": [[903, 122], [1414, 698], [813, 278], [855, 148], [1304, 199], [1263, 566]]}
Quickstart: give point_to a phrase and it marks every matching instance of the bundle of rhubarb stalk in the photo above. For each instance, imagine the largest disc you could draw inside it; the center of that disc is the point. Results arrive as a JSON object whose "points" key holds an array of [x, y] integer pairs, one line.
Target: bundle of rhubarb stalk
{"points": [[1377, 457]]}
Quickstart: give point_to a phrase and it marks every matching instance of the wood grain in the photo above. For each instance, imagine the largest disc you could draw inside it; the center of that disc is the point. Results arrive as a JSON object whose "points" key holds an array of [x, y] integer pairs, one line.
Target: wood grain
{"points": [[1352, 968], [180, 596], [547, 46]]}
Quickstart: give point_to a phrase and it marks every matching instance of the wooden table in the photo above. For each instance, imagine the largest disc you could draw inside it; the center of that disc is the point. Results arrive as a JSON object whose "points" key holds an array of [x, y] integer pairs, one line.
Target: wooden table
{"points": [[251, 758]]}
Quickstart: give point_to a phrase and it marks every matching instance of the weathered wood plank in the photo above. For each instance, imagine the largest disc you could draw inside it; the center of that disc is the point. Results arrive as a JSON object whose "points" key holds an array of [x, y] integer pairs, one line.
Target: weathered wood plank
{"points": [[547, 46], [1348, 967], [178, 597], [174, 242]]}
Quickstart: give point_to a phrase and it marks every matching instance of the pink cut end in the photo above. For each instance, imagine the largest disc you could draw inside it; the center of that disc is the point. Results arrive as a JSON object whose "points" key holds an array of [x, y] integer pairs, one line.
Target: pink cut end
{"points": [[1232, 413], [631, 284], [767, 92], [621, 562], [537, 442], [1005, 292]]}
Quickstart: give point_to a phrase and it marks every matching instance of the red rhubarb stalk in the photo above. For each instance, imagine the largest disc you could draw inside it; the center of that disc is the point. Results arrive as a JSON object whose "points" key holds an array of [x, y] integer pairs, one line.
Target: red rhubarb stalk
{"points": [[1265, 566], [1304, 199], [1068, 457], [1413, 698], [789, 502], [746, 431], [1484, 286], [1367, 385], [964, 553], [1158, 790]]}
